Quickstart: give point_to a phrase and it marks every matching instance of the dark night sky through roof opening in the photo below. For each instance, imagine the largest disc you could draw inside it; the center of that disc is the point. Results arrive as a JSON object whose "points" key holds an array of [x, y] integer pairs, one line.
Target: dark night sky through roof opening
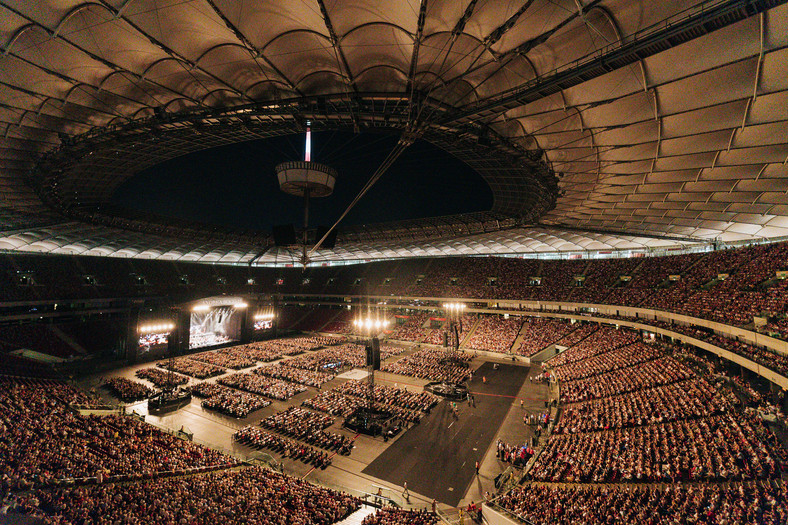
{"points": [[235, 186]]}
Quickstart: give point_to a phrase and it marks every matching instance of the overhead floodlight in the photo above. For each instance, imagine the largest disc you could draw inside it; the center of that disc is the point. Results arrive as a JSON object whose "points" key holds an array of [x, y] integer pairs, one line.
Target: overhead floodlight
{"points": [[201, 308]]}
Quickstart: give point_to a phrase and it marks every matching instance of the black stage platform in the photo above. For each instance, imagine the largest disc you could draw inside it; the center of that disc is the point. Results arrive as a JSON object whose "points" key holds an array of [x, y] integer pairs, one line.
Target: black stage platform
{"points": [[438, 454]]}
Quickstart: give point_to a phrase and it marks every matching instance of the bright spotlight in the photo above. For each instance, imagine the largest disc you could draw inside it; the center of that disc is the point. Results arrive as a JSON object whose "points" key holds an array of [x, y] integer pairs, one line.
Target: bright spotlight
{"points": [[201, 308], [240, 305]]}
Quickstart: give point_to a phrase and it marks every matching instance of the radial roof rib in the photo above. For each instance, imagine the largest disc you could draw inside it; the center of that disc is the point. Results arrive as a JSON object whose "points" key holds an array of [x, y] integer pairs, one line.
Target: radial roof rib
{"points": [[619, 118], [654, 40]]}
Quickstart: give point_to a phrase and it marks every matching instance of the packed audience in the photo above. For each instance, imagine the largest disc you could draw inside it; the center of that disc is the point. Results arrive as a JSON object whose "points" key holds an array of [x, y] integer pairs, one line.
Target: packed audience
{"points": [[540, 332], [264, 351], [623, 357], [294, 375], [43, 442], [233, 357], [309, 427], [391, 516], [335, 358], [227, 400], [662, 371], [260, 384], [494, 334], [435, 365], [689, 399], [258, 438], [516, 455], [412, 329], [715, 448], [577, 335], [604, 339], [740, 504], [161, 378], [247, 496], [338, 404], [396, 396], [127, 390], [763, 356], [635, 415], [192, 368]]}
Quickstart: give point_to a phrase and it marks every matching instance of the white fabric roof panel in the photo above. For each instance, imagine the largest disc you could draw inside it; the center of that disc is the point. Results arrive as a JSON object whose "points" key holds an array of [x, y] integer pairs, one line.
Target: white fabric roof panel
{"points": [[691, 141]]}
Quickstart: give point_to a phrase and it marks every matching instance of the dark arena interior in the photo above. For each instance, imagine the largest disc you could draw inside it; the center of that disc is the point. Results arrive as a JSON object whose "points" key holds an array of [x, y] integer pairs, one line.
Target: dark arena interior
{"points": [[392, 262]]}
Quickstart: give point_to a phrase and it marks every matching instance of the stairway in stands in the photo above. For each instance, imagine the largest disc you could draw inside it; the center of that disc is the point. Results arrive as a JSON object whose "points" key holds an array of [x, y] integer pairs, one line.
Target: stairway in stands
{"points": [[357, 517]]}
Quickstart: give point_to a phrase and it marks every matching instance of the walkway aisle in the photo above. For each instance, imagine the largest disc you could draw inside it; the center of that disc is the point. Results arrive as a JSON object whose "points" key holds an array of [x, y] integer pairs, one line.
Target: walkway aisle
{"points": [[357, 517]]}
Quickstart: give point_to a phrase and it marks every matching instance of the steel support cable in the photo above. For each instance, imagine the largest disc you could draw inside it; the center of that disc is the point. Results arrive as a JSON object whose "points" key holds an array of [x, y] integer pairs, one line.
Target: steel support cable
{"points": [[401, 146]]}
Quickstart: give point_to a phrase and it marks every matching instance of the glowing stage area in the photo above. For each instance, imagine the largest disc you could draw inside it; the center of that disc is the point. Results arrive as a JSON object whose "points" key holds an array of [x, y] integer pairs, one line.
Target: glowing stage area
{"points": [[216, 321]]}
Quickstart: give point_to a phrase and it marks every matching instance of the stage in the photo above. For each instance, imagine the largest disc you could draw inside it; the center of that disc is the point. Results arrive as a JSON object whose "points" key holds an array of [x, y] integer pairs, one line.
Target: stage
{"points": [[437, 457]]}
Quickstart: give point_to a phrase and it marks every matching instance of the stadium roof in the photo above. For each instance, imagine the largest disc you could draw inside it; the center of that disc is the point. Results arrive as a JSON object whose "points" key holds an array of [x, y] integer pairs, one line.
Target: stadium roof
{"points": [[598, 125]]}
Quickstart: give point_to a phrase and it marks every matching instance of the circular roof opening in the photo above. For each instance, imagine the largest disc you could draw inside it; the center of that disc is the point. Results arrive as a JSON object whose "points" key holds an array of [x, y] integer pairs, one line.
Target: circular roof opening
{"points": [[236, 186]]}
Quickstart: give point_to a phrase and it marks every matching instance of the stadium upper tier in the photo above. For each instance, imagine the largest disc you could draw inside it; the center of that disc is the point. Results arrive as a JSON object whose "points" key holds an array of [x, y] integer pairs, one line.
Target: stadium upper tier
{"points": [[597, 125], [728, 286]]}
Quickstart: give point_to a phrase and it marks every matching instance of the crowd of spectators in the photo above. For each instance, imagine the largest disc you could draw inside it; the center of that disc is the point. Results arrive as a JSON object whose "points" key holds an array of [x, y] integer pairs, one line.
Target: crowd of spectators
{"points": [[264, 351], [730, 286], [333, 358], [161, 378], [234, 357], [333, 403], [495, 334], [763, 356], [342, 324], [260, 384], [623, 357], [516, 455], [715, 448], [43, 442], [294, 375], [309, 427], [709, 504], [227, 400], [392, 516], [604, 339], [465, 324], [57, 391], [396, 396], [577, 335], [249, 496], [127, 390], [540, 332], [256, 437], [412, 329], [690, 399], [186, 366], [662, 371], [435, 365], [342, 405]]}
